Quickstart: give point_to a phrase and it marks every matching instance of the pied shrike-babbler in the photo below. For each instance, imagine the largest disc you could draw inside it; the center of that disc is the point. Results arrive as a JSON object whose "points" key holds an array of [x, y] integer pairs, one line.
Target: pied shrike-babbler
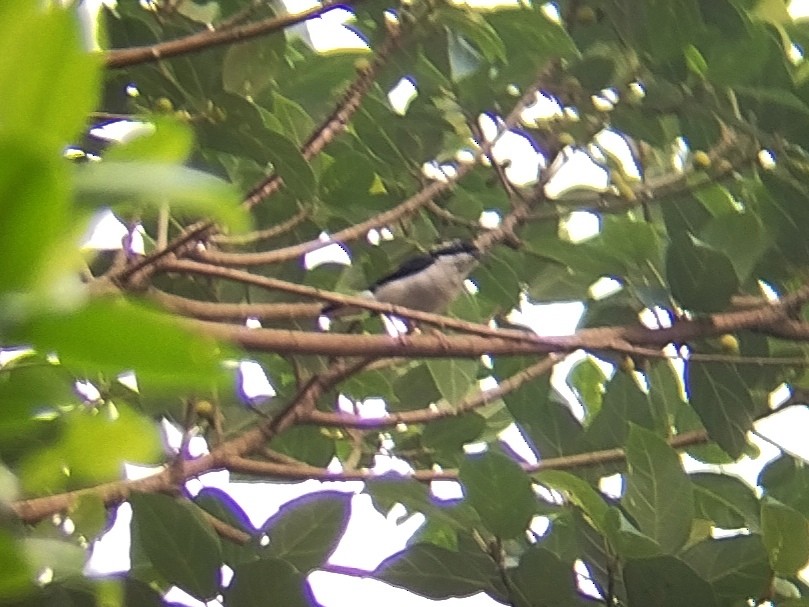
{"points": [[429, 282]]}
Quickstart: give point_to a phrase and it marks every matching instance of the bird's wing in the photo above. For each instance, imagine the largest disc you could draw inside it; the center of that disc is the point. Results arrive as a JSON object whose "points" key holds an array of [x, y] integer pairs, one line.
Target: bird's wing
{"points": [[408, 268]]}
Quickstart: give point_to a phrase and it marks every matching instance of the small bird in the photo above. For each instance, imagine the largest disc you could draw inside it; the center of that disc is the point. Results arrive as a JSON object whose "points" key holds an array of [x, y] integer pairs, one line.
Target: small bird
{"points": [[428, 283]]}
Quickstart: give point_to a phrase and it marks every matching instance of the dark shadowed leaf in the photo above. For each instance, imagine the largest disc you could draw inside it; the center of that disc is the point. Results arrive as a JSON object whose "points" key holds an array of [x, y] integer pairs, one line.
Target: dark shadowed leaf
{"points": [[626, 540], [787, 480], [500, 491], [290, 164], [222, 506], [659, 495], [547, 424], [437, 573], [725, 404], [727, 501], [542, 580], [701, 278], [386, 491], [736, 567], [269, 581], [453, 432], [580, 493], [624, 403], [665, 581], [305, 443], [306, 530], [180, 546]]}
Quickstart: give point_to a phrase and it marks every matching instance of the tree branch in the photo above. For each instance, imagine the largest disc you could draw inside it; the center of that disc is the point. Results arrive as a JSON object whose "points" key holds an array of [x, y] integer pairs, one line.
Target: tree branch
{"points": [[423, 416], [233, 311], [567, 462], [628, 339], [118, 58]]}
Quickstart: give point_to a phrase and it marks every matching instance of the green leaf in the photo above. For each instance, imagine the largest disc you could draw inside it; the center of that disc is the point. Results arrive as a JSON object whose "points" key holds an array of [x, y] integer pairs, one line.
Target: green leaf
{"points": [[736, 567], [112, 336], [701, 278], [346, 181], [785, 211], [221, 505], [665, 392], [453, 377], [587, 380], [635, 242], [168, 140], [296, 123], [51, 62], [155, 185], [305, 443], [786, 537], [415, 389], [475, 29], [181, 547], [596, 552], [722, 233], [27, 386], [290, 164], [548, 425], [665, 581], [33, 213], [89, 515], [787, 480], [96, 444], [141, 594], [695, 61], [774, 98], [305, 531], [662, 28], [18, 577], [500, 491], [624, 403], [437, 573], [64, 558], [452, 433], [249, 67], [626, 540], [542, 580], [531, 39], [270, 579], [724, 402], [659, 495], [580, 493], [594, 72], [727, 501], [385, 492]]}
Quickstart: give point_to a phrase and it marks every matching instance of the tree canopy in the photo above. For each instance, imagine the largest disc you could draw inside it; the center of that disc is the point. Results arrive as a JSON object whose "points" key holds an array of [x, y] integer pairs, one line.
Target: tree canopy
{"points": [[254, 150]]}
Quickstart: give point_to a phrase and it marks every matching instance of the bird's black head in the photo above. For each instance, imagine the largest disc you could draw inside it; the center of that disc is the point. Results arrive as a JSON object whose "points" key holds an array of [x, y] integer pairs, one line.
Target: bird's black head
{"points": [[456, 247]]}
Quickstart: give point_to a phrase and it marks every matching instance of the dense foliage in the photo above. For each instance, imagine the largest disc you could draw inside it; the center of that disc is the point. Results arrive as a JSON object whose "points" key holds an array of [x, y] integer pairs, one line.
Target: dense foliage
{"points": [[255, 145]]}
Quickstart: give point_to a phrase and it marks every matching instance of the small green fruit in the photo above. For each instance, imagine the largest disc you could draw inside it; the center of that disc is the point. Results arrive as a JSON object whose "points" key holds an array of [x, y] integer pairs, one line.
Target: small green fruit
{"points": [[163, 105], [701, 160], [729, 344], [586, 15]]}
